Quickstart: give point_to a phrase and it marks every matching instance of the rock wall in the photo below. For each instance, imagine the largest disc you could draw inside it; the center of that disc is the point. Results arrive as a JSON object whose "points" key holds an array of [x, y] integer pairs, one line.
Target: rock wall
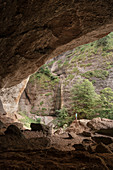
{"points": [[31, 32], [41, 97], [87, 61], [10, 98]]}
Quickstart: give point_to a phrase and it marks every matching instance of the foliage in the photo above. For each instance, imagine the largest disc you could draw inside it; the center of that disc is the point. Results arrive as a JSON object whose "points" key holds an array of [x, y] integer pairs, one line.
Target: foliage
{"points": [[88, 104], [84, 97], [26, 120], [41, 103], [102, 42], [96, 73], [63, 118], [48, 94], [106, 109]]}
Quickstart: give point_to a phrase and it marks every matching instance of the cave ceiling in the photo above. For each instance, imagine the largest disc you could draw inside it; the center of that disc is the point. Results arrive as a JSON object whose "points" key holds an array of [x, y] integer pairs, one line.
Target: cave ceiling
{"points": [[33, 31]]}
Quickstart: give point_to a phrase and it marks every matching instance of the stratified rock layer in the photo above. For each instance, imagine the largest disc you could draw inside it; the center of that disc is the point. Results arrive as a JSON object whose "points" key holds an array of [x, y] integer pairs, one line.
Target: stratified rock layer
{"points": [[33, 31]]}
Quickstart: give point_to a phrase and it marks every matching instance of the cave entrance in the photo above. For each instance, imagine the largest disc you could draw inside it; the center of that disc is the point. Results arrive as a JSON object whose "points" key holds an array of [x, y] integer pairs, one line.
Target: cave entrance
{"points": [[79, 82]]}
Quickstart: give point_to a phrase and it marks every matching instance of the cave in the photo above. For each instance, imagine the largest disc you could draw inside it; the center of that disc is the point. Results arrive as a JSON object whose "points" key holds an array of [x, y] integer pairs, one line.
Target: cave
{"points": [[31, 33]]}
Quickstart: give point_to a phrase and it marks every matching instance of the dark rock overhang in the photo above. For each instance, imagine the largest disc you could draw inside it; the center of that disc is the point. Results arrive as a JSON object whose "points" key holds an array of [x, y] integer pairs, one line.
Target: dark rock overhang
{"points": [[31, 32]]}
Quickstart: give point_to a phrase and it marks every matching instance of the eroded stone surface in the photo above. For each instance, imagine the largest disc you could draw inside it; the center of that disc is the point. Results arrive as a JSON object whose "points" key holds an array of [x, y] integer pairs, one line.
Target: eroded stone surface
{"points": [[33, 31], [10, 98]]}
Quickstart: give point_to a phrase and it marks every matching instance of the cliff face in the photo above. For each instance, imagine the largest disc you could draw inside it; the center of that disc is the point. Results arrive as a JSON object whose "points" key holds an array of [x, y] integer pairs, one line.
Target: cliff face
{"points": [[42, 95], [89, 61], [33, 31], [10, 98]]}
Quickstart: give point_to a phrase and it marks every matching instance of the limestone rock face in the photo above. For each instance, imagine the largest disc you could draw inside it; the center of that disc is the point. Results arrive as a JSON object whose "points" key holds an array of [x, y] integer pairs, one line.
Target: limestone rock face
{"points": [[33, 31], [10, 98]]}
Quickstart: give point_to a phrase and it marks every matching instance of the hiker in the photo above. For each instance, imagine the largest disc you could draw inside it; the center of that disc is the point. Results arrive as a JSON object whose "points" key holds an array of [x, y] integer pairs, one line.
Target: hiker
{"points": [[76, 116]]}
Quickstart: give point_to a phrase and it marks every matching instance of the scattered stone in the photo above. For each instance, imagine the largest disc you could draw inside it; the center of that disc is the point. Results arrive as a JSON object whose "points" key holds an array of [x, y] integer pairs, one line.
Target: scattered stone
{"points": [[83, 122], [108, 132], [101, 148], [41, 127], [87, 142], [91, 148], [59, 131], [71, 135], [86, 134], [104, 139], [79, 147]]}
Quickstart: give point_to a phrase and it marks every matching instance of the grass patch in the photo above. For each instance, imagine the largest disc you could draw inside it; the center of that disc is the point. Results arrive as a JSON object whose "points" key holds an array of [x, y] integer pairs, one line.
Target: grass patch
{"points": [[48, 94], [26, 121], [96, 73]]}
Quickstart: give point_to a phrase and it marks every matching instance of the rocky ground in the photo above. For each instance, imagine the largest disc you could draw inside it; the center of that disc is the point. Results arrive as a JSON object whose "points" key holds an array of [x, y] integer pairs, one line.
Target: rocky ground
{"points": [[83, 145]]}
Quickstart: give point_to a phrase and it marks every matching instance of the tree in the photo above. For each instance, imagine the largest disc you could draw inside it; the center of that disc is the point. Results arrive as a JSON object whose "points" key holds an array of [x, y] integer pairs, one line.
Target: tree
{"points": [[63, 118], [84, 97], [106, 96]]}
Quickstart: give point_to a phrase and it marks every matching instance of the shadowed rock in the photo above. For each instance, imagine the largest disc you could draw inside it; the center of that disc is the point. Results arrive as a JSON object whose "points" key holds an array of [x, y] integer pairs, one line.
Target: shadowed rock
{"points": [[41, 127], [104, 139], [14, 130], [101, 148], [108, 132], [28, 37], [79, 147]]}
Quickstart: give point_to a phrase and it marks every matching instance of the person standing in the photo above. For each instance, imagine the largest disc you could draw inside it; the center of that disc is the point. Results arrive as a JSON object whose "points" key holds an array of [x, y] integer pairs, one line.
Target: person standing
{"points": [[76, 116]]}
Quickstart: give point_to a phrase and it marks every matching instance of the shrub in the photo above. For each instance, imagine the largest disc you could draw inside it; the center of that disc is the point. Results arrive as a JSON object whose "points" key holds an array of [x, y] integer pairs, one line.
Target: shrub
{"points": [[85, 99], [62, 118], [96, 73]]}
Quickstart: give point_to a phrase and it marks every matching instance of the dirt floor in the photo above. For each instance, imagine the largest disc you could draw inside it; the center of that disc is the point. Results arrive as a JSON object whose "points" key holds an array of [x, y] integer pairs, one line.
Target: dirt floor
{"points": [[49, 153]]}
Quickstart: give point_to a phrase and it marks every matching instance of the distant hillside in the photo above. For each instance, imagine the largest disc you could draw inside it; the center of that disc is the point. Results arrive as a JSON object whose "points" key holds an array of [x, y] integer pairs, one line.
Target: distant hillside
{"points": [[49, 89]]}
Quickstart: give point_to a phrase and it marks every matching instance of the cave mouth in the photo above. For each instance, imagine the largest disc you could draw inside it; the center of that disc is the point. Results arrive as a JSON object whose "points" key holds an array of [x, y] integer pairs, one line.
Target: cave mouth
{"points": [[56, 133], [55, 90]]}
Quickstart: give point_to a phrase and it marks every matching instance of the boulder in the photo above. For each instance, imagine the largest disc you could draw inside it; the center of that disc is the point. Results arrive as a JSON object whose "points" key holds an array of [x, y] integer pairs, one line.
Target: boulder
{"points": [[41, 127], [108, 132], [101, 148], [79, 147], [86, 134], [98, 123], [14, 130], [104, 139], [83, 122], [87, 142], [17, 124], [71, 135]]}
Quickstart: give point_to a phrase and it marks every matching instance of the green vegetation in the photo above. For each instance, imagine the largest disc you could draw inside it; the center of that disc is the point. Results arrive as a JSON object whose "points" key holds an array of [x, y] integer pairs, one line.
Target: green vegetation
{"points": [[63, 118], [70, 77], [84, 97], [86, 65], [87, 103], [26, 120], [41, 103], [103, 74], [48, 94], [75, 70], [106, 103]]}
